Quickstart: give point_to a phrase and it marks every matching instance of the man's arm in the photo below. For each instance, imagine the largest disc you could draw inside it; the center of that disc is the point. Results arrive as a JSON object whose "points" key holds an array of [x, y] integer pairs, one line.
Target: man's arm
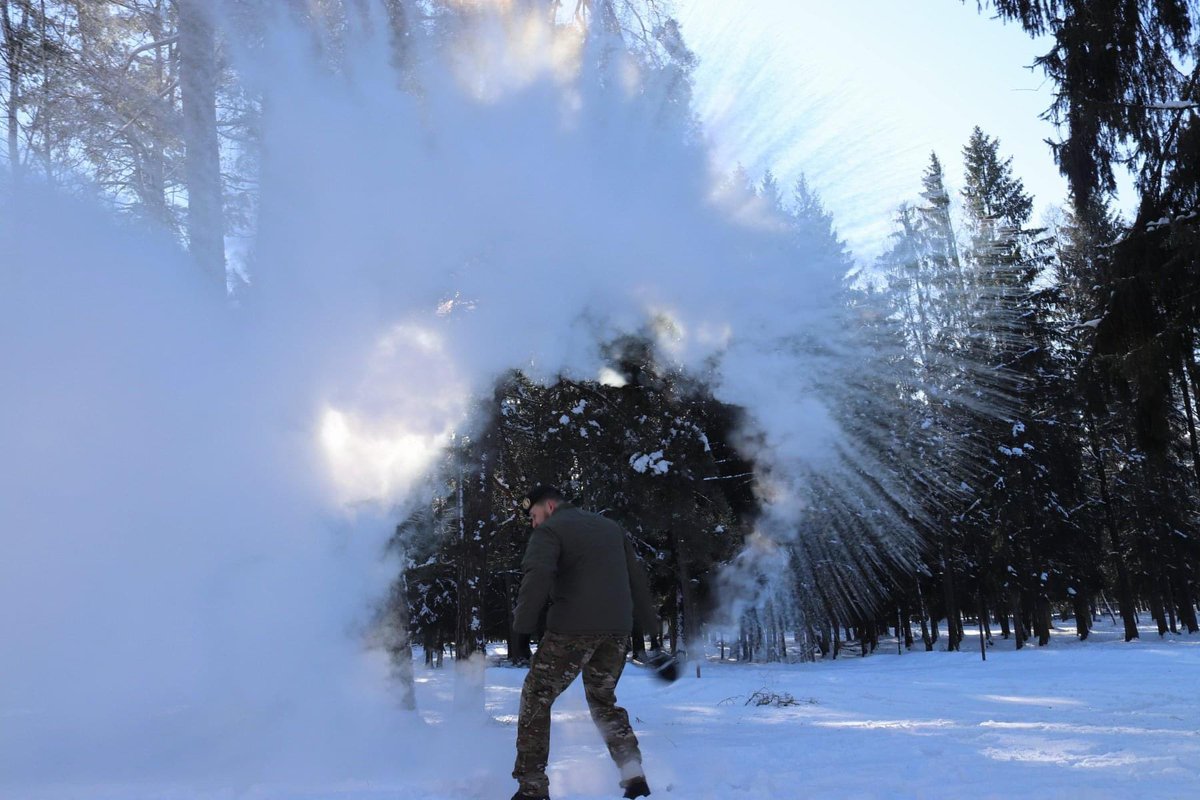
{"points": [[538, 566], [639, 586]]}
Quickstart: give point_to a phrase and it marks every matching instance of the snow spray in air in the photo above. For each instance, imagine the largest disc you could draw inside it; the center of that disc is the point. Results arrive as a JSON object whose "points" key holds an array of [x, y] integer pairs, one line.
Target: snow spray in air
{"points": [[200, 495]]}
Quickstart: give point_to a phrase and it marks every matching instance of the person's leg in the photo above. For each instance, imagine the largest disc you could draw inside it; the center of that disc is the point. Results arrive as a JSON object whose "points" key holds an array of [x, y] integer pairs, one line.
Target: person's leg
{"points": [[600, 676], [555, 664]]}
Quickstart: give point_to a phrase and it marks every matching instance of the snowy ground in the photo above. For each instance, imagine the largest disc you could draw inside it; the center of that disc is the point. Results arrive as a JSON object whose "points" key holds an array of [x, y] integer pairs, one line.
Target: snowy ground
{"points": [[1102, 719]]}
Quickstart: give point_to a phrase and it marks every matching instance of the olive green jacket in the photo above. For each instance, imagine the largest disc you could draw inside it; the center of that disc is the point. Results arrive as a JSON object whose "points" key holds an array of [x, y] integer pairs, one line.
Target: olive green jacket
{"points": [[585, 566]]}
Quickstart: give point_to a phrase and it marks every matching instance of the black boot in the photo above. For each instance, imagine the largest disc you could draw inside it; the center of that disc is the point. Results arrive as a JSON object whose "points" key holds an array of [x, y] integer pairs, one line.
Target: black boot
{"points": [[636, 787], [521, 796]]}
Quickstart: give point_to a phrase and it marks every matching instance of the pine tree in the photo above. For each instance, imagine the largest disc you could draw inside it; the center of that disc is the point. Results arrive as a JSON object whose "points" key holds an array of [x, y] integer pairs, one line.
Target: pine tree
{"points": [[945, 432], [990, 191], [1081, 245], [997, 210], [940, 252], [1025, 499]]}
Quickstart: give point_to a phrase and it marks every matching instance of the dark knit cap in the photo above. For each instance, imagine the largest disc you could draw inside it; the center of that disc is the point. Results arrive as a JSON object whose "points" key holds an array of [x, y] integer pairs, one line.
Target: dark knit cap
{"points": [[538, 494]]}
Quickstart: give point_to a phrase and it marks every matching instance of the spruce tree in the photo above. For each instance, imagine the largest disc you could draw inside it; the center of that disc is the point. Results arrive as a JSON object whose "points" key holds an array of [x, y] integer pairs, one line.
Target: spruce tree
{"points": [[1126, 77]]}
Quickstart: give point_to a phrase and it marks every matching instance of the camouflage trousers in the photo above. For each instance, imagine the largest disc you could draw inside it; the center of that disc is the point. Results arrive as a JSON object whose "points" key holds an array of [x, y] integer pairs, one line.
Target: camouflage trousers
{"points": [[559, 658]]}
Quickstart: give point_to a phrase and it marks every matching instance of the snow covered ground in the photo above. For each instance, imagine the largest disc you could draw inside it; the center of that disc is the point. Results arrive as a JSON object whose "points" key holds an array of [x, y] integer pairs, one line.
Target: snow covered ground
{"points": [[1102, 719]]}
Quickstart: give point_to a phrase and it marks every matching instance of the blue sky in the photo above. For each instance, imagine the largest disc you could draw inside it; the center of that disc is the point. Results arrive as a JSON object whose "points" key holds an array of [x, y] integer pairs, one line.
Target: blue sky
{"points": [[856, 95]]}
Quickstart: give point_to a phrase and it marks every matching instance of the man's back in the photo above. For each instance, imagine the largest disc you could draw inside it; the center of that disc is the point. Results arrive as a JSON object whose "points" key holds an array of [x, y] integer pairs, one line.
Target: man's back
{"points": [[584, 564]]}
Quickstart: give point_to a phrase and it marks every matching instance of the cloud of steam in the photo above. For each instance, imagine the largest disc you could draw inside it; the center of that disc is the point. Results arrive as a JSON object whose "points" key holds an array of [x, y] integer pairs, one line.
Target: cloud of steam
{"points": [[180, 593], [183, 586]]}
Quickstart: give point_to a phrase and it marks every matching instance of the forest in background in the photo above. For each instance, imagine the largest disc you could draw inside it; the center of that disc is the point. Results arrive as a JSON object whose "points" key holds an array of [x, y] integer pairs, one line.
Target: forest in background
{"points": [[1036, 385]]}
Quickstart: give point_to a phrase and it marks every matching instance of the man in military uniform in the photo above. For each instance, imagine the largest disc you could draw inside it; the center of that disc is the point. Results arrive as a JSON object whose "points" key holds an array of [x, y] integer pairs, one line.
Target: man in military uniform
{"points": [[585, 566]]}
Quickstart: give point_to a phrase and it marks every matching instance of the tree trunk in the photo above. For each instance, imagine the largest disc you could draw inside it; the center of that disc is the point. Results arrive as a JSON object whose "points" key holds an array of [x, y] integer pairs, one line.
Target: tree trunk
{"points": [[953, 618], [1183, 588], [1157, 611], [1108, 608], [472, 566], [400, 645], [1185, 603], [983, 637], [1193, 446], [673, 622], [1083, 615], [13, 51], [1042, 622], [868, 636], [746, 639], [687, 602], [1125, 602], [470, 653], [1019, 629], [926, 639], [202, 162], [1193, 373], [1170, 604]]}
